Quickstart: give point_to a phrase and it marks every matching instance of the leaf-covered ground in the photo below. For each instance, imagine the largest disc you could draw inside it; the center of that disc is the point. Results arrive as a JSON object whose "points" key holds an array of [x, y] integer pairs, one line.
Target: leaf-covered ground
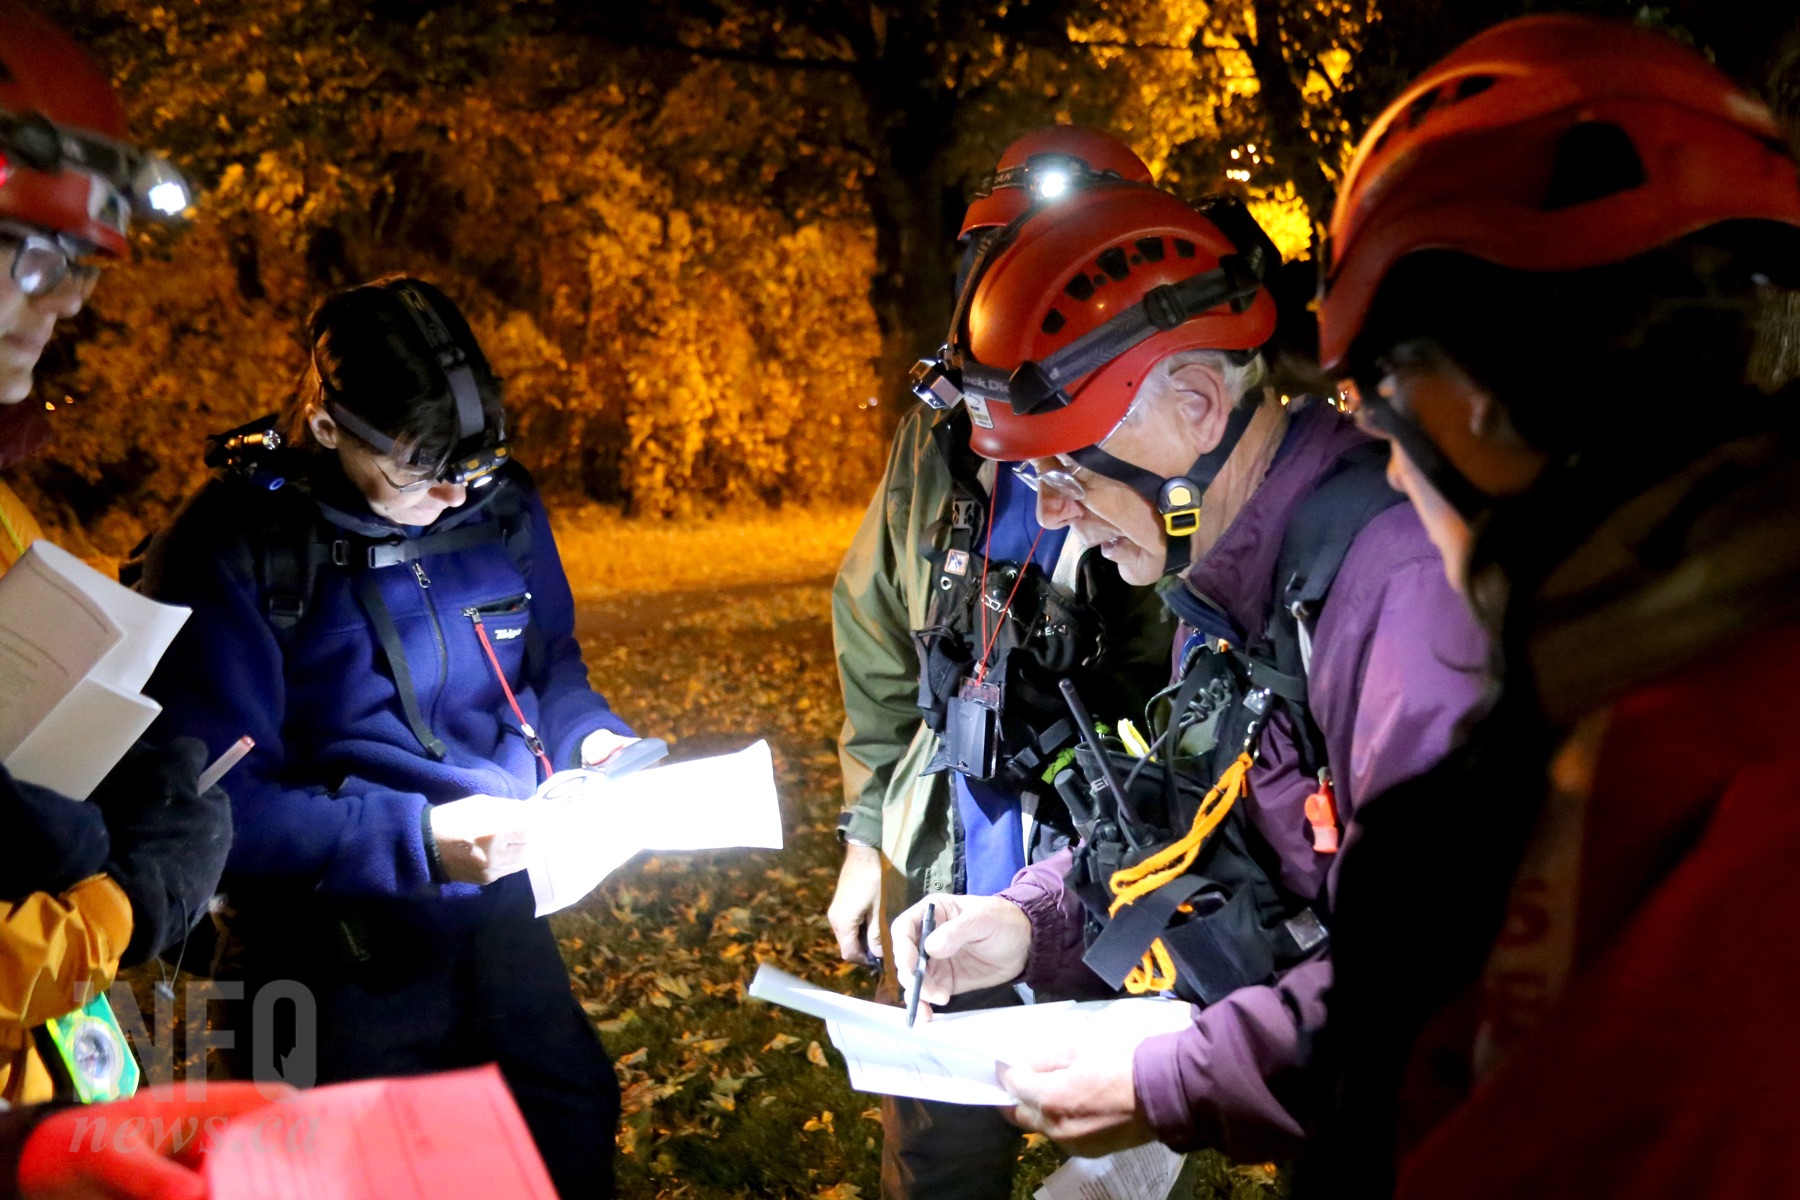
{"points": [[726, 1096]]}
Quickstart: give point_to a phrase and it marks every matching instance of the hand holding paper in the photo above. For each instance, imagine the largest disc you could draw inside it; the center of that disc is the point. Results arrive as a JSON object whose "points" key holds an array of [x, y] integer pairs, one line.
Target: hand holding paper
{"points": [[1082, 1097], [482, 838], [584, 825]]}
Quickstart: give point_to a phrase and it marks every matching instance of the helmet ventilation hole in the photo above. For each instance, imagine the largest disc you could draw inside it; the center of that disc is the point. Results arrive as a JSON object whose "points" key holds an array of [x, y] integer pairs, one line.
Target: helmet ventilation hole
{"points": [[1594, 159]]}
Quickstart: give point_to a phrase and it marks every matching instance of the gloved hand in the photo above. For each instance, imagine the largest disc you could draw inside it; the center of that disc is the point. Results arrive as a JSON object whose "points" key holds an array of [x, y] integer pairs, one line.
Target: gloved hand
{"points": [[52, 842], [144, 1148], [168, 842], [479, 838]]}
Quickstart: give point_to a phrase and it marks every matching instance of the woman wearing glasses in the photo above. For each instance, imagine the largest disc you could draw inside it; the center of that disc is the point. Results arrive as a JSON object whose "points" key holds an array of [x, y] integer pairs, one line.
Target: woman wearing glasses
{"points": [[378, 602]]}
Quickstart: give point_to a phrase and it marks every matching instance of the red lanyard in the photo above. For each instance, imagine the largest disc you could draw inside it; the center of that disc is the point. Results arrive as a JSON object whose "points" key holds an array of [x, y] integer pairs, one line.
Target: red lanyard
{"points": [[531, 737], [988, 640]]}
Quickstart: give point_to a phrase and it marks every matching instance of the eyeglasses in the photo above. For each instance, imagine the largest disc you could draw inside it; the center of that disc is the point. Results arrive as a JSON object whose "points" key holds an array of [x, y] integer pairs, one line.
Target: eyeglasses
{"points": [[1058, 481], [41, 262], [412, 479]]}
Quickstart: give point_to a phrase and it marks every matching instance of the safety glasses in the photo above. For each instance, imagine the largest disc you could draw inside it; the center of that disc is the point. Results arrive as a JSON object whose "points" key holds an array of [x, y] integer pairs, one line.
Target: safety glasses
{"points": [[40, 263], [1058, 480]]}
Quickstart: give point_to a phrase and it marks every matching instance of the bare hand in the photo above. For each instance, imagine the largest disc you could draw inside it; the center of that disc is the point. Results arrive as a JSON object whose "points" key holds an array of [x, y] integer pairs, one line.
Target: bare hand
{"points": [[979, 941], [480, 838], [1083, 1098], [601, 745], [855, 912]]}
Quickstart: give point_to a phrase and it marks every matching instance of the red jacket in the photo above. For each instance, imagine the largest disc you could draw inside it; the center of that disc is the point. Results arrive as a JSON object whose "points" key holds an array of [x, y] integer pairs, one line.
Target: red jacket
{"points": [[1648, 1049]]}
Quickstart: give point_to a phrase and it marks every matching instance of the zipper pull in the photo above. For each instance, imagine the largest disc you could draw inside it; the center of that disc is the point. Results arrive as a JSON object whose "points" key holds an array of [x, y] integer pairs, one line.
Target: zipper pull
{"points": [[473, 613], [419, 573]]}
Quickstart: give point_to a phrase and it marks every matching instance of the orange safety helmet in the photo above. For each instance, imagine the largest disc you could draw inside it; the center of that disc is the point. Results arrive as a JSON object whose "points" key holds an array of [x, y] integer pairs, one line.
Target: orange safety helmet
{"points": [[65, 163], [1041, 166], [1550, 143], [1070, 316]]}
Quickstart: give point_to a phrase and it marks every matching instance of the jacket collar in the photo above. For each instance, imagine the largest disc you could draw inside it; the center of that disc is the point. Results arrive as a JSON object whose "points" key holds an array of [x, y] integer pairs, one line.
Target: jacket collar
{"points": [[1236, 576]]}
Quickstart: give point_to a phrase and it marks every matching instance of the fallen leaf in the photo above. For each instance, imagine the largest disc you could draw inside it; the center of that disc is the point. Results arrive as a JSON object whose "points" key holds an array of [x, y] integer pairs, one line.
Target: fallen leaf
{"points": [[816, 1055], [780, 1041]]}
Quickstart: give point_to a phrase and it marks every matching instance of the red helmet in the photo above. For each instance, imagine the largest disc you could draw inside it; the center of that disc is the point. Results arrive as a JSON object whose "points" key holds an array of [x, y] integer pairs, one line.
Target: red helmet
{"points": [[1550, 143], [1047, 157], [1155, 273], [67, 166]]}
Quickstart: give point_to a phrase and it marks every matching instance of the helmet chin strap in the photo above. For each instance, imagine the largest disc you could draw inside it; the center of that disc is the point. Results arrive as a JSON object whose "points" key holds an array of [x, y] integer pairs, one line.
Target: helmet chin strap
{"points": [[1176, 498]]}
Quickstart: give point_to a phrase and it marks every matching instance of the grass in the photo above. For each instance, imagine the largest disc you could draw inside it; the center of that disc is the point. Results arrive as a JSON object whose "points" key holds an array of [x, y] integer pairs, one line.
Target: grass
{"points": [[609, 556]]}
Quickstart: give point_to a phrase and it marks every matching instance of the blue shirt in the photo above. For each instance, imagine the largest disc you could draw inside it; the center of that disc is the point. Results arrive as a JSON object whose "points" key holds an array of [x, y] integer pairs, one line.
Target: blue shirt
{"points": [[992, 823]]}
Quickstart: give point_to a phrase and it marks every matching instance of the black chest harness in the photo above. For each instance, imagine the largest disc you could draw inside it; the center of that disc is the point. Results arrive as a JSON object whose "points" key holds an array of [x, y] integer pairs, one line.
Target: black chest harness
{"points": [[290, 539], [999, 636], [1182, 889]]}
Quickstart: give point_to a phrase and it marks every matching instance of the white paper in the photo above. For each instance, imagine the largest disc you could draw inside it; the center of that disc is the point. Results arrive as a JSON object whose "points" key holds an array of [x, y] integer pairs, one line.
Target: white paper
{"points": [[1144, 1172], [953, 1057], [76, 648], [583, 825]]}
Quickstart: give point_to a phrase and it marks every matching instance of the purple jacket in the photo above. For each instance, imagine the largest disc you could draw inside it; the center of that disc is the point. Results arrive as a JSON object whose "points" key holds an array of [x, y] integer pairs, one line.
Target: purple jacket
{"points": [[1397, 662]]}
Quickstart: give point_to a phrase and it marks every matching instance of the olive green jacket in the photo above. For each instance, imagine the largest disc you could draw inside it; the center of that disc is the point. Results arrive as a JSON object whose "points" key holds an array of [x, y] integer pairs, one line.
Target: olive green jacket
{"points": [[882, 594]]}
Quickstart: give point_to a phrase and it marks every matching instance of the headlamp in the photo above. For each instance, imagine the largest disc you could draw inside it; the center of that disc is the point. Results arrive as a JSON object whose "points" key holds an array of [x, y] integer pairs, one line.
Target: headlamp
{"points": [[1050, 184], [1046, 176], [935, 383], [148, 183], [158, 190]]}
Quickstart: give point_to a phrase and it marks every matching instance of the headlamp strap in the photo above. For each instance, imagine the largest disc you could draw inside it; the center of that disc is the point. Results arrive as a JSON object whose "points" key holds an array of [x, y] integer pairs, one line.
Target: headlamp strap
{"points": [[451, 359], [355, 424]]}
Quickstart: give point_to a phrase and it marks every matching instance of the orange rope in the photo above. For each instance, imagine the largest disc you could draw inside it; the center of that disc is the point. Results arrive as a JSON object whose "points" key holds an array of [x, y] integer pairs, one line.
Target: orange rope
{"points": [[1157, 972]]}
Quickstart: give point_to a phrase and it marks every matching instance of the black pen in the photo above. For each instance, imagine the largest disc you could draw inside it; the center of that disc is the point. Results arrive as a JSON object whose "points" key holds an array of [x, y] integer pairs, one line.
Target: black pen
{"points": [[912, 1002]]}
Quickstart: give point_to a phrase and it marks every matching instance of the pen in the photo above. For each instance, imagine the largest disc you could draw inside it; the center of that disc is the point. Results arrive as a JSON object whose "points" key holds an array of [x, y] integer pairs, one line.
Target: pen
{"points": [[912, 1003], [233, 755]]}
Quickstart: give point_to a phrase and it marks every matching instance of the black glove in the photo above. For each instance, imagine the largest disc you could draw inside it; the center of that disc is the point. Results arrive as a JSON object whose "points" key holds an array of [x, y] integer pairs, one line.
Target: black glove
{"points": [[48, 842], [168, 841]]}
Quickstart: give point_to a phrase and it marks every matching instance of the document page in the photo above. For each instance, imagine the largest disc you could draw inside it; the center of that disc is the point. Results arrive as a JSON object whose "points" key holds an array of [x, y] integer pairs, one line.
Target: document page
{"points": [[457, 1136], [953, 1057], [76, 649], [1146, 1172], [585, 825], [51, 636]]}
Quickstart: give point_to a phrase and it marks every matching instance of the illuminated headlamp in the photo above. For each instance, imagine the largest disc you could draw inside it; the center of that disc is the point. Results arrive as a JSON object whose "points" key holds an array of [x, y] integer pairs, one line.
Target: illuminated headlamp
{"points": [[1046, 176], [150, 184], [158, 190], [476, 469]]}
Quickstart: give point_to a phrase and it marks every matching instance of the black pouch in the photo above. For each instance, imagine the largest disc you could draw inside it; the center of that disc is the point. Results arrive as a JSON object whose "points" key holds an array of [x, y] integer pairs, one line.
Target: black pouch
{"points": [[972, 729]]}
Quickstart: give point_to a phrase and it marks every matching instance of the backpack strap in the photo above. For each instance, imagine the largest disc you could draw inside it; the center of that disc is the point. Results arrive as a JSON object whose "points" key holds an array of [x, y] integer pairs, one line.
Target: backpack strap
{"points": [[368, 590], [1313, 548]]}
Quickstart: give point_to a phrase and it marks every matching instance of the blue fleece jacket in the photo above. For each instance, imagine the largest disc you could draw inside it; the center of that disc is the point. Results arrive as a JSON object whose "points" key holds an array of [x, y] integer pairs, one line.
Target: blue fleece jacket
{"points": [[332, 796]]}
